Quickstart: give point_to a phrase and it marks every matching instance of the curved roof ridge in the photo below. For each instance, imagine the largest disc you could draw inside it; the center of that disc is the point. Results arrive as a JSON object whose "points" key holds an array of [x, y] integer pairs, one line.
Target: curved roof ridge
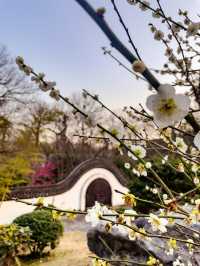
{"points": [[69, 181]]}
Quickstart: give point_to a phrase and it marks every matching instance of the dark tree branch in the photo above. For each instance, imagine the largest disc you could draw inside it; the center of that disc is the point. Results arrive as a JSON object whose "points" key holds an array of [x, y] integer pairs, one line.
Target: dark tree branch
{"points": [[117, 44]]}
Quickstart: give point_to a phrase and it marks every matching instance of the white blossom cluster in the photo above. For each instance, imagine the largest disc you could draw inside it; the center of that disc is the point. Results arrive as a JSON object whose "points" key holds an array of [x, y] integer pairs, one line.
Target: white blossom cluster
{"points": [[123, 224], [39, 79]]}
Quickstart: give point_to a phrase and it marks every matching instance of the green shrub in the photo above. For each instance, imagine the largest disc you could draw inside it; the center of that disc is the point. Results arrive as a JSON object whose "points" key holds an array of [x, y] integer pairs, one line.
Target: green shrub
{"points": [[13, 242], [46, 231]]}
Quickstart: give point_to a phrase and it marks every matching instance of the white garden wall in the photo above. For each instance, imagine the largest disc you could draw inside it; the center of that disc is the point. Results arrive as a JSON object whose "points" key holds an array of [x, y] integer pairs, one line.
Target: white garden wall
{"points": [[75, 198]]}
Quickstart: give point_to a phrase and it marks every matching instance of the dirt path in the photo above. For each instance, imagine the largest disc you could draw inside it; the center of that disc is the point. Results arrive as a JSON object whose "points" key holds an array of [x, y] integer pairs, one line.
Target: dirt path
{"points": [[71, 251]]}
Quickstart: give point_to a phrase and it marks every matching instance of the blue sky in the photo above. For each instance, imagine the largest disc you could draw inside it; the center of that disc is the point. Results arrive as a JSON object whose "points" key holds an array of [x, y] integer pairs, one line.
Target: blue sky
{"points": [[58, 38]]}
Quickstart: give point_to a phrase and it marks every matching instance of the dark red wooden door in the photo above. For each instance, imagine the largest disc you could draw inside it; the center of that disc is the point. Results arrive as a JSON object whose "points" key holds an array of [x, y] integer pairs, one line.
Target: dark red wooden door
{"points": [[99, 190]]}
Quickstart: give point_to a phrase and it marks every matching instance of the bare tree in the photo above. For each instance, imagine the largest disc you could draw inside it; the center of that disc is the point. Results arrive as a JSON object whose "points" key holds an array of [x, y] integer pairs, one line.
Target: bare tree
{"points": [[41, 119], [14, 87], [89, 106]]}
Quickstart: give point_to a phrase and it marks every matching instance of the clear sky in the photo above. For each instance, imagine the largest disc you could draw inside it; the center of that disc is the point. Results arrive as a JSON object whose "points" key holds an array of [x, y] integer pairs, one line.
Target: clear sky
{"points": [[58, 38]]}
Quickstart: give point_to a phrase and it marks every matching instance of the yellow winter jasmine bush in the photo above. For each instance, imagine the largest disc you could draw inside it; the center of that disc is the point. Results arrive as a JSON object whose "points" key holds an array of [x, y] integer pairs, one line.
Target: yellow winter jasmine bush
{"points": [[40, 201], [13, 172], [56, 215], [14, 241]]}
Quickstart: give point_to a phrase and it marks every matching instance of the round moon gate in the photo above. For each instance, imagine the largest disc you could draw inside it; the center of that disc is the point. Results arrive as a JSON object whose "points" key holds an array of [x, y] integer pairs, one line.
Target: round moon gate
{"points": [[99, 190]]}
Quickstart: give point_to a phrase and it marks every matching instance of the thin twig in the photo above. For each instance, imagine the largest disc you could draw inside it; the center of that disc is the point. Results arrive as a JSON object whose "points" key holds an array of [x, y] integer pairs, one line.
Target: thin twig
{"points": [[125, 28]]}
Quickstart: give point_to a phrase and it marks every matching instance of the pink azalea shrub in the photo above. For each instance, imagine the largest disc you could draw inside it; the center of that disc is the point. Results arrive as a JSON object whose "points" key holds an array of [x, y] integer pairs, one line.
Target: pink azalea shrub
{"points": [[44, 174]]}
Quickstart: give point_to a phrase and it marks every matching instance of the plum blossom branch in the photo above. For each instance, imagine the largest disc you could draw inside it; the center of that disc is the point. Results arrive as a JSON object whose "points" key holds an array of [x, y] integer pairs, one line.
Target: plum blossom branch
{"points": [[52, 208], [125, 28], [159, 13], [148, 234], [115, 42], [118, 261], [108, 52]]}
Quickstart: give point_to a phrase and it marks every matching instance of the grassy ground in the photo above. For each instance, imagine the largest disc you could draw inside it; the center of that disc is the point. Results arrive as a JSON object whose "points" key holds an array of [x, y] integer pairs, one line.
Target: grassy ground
{"points": [[72, 250]]}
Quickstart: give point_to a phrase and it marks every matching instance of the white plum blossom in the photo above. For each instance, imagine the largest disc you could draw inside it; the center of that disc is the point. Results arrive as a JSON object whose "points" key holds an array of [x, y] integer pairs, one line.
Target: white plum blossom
{"points": [[55, 94], [140, 170], [127, 165], [143, 5], [192, 201], [193, 29], [172, 246], [136, 172], [181, 145], [93, 214], [148, 165], [178, 262], [43, 87], [190, 246], [119, 227], [165, 196], [167, 106], [139, 151], [27, 70], [197, 202], [38, 78], [156, 14], [20, 62], [90, 121], [168, 51], [197, 140], [180, 168], [176, 27], [155, 191], [194, 152], [196, 181], [165, 159], [158, 35], [131, 218], [158, 224], [194, 168], [51, 84]]}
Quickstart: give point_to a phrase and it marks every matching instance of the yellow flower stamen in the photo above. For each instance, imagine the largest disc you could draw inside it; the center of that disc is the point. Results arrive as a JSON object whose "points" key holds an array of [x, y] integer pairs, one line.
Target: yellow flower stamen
{"points": [[167, 106]]}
